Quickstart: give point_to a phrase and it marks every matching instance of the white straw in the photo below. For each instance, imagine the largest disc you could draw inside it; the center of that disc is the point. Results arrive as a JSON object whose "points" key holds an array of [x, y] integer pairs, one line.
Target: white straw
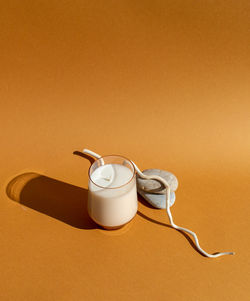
{"points": [[93, 154], [89, 152]]}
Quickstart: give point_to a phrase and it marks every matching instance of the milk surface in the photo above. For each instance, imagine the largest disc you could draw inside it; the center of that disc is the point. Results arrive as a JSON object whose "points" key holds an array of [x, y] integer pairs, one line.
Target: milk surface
{"points": [[111, 176]]}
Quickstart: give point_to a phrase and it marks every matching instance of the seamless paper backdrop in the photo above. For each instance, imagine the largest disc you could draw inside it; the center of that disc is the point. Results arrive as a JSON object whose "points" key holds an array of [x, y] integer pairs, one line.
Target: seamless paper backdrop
{"points": [[164, 83]]}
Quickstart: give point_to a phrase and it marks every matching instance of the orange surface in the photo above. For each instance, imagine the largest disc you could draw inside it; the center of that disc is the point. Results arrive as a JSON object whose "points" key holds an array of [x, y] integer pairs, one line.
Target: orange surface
{"points": [[165, 83]]}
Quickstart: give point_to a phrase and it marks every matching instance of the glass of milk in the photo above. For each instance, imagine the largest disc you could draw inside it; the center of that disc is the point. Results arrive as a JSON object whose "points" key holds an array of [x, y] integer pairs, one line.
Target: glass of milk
{"points": [[112, 195]]}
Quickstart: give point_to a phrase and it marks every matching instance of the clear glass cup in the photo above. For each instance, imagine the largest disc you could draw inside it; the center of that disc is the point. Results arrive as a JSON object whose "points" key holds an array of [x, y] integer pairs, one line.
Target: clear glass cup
{"points": [[112, 194]]}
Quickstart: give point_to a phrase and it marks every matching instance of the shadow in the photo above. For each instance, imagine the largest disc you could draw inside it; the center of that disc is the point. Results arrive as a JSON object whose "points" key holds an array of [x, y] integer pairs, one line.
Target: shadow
{"points": [[145, 203], [62, 201], [142, 201], [85, 156]]}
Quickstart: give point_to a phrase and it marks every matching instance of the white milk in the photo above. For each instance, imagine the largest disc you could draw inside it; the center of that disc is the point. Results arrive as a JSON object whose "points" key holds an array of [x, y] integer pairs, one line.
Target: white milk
{"points": [[115, 202]]}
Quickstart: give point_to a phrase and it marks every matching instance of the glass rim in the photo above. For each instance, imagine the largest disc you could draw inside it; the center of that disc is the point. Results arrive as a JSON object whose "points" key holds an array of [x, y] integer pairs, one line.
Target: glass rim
{"points": [[120, 164]]}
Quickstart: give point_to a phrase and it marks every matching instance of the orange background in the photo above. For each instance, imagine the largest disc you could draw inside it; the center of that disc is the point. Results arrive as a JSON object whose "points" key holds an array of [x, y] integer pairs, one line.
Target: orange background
{"points": [[165, 83]]}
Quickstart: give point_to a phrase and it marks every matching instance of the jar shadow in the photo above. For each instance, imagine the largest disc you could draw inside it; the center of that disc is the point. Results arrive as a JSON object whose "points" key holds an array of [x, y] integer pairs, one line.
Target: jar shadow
{"points": [[62, 201]]}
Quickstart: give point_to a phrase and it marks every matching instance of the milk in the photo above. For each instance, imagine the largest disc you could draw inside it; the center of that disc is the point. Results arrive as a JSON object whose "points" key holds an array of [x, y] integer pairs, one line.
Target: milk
{"points": [[112, 199]]}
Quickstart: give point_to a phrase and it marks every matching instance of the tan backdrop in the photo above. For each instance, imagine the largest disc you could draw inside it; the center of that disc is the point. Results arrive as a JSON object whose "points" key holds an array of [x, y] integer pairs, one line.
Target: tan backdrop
{"points": [[165, 83]]}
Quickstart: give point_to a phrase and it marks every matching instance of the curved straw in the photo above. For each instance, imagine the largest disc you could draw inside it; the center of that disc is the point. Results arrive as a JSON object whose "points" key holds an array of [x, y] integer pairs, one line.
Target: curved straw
{"points": [[165, 183], [95, 155], [89, 152]]}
